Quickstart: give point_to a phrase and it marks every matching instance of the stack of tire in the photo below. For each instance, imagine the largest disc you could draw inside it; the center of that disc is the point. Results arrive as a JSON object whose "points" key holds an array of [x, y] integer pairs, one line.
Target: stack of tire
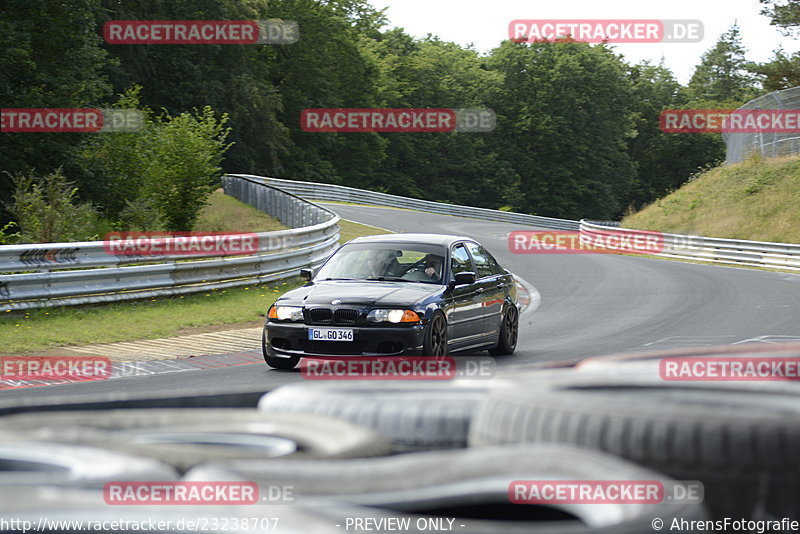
{"points": [[740, 440], [54, 466], [394, 456]]}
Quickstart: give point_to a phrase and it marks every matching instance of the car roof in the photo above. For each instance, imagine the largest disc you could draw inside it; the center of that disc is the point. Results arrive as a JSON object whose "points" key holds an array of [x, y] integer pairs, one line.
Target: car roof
{"points": [[427, 239]]}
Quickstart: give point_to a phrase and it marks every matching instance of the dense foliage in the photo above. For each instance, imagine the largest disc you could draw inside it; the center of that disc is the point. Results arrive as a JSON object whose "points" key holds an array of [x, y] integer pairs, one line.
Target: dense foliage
{"points": [[577, 132]]}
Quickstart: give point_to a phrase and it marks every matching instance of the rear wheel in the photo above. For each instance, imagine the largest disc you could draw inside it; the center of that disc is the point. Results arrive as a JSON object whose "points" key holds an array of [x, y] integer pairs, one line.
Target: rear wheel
{"points": [[435, 343], [509, 330], [284, 364]]}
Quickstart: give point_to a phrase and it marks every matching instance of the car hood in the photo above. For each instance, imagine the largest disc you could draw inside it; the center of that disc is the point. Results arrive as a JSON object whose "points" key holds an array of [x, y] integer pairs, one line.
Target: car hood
{"points": [[362, 293]]}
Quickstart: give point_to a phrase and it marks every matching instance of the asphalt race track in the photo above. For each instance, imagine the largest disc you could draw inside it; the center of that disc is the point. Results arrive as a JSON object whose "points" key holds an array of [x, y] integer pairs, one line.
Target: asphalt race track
{"points": [[591, 304]]}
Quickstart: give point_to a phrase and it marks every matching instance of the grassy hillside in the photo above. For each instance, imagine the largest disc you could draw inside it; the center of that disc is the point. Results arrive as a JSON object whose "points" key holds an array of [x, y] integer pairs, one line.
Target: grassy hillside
{"points": [[226, 214], [758, 199]]}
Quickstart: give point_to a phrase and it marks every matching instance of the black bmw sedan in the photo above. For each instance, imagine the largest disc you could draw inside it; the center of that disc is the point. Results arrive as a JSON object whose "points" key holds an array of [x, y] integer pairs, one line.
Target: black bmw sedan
{"points": [[396, 295]]}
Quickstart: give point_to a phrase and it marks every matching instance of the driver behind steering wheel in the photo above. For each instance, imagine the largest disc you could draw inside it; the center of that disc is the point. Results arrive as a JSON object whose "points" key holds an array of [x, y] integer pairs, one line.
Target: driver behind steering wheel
{"points": [[433, 267], [383, 263]]}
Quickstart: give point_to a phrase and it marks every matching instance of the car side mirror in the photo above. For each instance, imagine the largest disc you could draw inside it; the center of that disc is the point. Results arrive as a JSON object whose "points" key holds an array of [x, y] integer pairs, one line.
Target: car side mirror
{"points": [[463, 279], [306, 274]]}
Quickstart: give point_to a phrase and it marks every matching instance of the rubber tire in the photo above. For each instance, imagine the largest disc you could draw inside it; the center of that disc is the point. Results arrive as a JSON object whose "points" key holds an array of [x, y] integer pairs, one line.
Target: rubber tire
{"points": [[31, 463], [412, 416], [283, 364], [506, 347], [316, 436], [646, 364], [457, 484], [428, 342], [741, 442]]}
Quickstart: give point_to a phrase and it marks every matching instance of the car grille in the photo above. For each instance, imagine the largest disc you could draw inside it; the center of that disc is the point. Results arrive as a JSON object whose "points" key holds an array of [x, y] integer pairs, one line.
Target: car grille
{"points": [[320, 315], [345, 316], [340, 316]]}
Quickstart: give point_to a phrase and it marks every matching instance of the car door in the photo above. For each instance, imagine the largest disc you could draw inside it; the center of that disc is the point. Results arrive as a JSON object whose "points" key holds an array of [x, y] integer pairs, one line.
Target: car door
{"points": [[492, 287], [465, 309]]}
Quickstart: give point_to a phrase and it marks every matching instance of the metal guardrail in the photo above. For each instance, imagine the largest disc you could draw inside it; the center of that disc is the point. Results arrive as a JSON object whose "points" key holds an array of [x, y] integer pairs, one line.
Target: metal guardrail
{"points": [[84, 273], [340, 193], [710, 249], [784, 256]]}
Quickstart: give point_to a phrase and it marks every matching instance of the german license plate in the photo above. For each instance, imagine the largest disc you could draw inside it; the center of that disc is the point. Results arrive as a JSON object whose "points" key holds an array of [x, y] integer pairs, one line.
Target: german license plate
{"points": [[330, 334]]}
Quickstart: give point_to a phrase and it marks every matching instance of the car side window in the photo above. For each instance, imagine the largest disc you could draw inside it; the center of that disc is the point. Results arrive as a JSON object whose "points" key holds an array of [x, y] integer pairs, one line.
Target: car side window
{"points": [[483, 263], [460, 261], [496, 267]]}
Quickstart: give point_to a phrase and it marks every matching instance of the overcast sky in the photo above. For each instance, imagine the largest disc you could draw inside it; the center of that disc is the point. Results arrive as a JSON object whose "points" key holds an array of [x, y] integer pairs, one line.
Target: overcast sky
{"points": [[484, 23]]}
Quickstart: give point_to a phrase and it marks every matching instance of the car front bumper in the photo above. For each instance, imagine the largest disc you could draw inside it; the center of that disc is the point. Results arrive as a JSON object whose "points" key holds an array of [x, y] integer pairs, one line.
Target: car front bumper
{"points": [[287, 340]]}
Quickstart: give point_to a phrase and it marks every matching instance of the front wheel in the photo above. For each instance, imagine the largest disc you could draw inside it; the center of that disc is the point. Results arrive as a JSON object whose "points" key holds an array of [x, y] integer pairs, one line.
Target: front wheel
{"points": [[435, 342], [509, 330], [284, 364]]}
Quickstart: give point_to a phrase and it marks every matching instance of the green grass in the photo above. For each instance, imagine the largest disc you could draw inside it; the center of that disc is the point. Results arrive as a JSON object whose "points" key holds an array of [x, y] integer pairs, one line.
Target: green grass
{"points": [[758, 199], [351, 230], [226, 214], [162, 317], [48, 329]]}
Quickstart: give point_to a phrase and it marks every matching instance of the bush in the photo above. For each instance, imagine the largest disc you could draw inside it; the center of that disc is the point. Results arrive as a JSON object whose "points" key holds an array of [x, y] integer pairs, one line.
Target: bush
{"points": [[141, 215], [186, 152], [160, 177], [46, 210]]}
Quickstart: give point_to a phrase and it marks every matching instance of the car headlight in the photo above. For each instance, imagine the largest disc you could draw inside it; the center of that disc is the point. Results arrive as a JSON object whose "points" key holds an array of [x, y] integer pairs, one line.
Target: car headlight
{"points": [[286, 313], [392, 316]]}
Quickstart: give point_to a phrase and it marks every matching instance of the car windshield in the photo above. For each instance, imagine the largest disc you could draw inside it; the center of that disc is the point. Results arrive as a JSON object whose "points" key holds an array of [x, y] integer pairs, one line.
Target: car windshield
{"points": [[400, 262]]}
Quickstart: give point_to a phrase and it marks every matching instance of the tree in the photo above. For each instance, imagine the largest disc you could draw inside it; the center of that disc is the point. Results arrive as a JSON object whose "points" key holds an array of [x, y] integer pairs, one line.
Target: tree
{"points": [[564, 118], [168, 169], [723, 73], [664, 161], [232, 79], [784, 13], [451, 167], [654, 90], [782, 72], [51, 58], [329, 67], [577, 132]]}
